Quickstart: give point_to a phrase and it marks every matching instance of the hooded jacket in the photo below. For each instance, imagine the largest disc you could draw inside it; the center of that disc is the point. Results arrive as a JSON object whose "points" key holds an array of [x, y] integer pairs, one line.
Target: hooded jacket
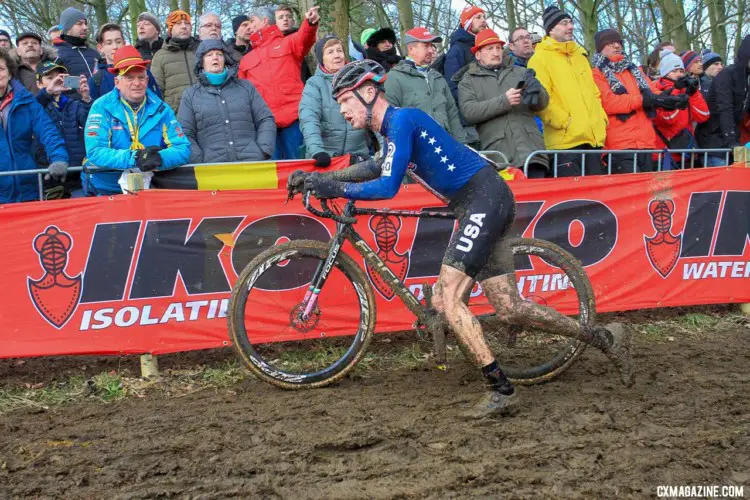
{"points": [[149, 49], [228, 122], [407, 87], [76, 56], [273, 67], [26, 74], [172, 67], [103, 81], [108, 139], [575, 115], [26, 120], [728, 102], [458, 55], [501, 127], [323, 127]]}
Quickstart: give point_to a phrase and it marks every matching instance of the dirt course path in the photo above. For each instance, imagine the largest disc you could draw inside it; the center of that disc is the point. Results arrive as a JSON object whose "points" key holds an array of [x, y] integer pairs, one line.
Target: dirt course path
{"points": [[397, 435]]}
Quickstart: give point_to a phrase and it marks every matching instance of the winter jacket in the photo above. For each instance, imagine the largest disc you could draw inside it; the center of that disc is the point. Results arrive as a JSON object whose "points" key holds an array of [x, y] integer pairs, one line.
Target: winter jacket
{"points": [[273, 67], [76, 56], [69, 116], [387, 59], [323, 127], [458, 55], [501, 127], [149, 49], [636, 131], [575, 115], [729, 103], [26, 120], [669, 124], [305, 73], [227, 123], [407, 87], [104, 81], [26, 74], [237, 51], [706, 82], [172, 67], [108, 139]]}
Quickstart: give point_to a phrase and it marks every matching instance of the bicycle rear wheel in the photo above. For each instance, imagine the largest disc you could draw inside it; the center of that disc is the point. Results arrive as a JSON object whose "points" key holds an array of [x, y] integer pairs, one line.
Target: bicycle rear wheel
{"points": [[551, 277], [274, 337]]}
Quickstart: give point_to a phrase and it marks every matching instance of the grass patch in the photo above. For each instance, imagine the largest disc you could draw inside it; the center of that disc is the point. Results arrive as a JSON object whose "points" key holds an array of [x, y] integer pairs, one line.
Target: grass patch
{"points": [[42, 398], [224, 375], [109, 386], [692, 324]]}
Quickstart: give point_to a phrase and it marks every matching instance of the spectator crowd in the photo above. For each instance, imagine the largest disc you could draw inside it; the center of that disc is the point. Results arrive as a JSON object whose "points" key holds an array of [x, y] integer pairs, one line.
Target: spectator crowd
{"points": [[182, 94]]}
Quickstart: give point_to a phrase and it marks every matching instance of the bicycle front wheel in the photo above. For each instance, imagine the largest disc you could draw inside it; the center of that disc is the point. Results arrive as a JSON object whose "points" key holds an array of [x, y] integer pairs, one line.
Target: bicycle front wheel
{"points": [[289, 340], [550, 277]]}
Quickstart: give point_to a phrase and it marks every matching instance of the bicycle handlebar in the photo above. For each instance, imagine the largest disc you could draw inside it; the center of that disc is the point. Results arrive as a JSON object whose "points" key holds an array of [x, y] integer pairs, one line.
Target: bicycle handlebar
{"points": [[327, 212]]}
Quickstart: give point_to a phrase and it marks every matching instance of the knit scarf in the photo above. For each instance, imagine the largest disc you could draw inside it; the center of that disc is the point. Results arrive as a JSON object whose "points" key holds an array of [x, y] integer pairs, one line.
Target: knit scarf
{"points": [[217, 79], [610, 69]]}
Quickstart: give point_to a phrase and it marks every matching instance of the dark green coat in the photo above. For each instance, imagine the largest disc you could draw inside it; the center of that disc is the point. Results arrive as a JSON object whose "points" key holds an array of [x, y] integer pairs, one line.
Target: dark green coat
{"points": [[407, 87], [502, 127]]}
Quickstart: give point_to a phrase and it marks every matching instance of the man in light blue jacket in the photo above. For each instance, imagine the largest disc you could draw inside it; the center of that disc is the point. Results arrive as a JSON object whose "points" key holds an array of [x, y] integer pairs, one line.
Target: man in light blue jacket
{"points": [[131, 128]]}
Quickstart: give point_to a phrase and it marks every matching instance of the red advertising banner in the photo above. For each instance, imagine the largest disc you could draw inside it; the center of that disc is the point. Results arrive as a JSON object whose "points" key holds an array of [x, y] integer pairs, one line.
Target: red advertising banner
{"points": [[152, 272]]}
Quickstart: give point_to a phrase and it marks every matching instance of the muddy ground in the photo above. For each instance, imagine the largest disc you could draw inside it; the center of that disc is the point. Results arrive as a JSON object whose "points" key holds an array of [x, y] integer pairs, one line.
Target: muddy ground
{"points": [[397, 434]]}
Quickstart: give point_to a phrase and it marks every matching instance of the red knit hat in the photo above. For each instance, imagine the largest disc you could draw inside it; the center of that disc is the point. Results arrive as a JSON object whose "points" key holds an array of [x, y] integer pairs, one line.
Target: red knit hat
{"points": [[484, 38], [468, 14]]}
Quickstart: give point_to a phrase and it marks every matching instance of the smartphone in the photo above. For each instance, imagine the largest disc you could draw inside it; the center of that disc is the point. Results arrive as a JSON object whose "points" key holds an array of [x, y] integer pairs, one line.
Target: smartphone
{"points": [[72, 82], [521, 84]]}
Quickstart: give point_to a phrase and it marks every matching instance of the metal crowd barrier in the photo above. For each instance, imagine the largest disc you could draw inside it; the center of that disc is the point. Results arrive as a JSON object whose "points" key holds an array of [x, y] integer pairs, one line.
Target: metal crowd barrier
{"points": [[493, 155], [635, 152]]}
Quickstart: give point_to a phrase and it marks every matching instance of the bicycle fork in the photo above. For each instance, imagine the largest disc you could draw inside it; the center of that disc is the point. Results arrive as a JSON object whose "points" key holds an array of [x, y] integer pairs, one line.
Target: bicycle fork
{"points": [[320, 276]]}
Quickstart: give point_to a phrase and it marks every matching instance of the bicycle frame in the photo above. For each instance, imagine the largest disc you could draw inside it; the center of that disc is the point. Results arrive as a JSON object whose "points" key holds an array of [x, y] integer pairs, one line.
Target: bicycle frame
{"points": [[345, 231]]}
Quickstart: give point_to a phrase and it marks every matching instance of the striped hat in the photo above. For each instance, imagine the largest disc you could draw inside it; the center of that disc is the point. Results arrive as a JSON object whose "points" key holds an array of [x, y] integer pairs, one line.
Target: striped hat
{"points": [[552, 16], [468, 14], [127, 58], [689, 57]]}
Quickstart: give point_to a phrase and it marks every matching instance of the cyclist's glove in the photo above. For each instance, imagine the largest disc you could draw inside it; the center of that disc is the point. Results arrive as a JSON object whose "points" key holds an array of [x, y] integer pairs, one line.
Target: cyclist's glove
{"points": [[323, 186], [295, 183]]}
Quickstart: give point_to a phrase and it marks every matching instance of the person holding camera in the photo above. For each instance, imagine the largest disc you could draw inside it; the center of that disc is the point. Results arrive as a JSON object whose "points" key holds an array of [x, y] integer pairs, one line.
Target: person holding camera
{"points": [[131, 128], [674, 127], [69, 116]]}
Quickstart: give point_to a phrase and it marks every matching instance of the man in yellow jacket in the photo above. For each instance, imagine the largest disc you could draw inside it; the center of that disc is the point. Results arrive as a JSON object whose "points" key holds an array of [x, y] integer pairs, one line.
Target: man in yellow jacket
{"points": [[574, 118]]}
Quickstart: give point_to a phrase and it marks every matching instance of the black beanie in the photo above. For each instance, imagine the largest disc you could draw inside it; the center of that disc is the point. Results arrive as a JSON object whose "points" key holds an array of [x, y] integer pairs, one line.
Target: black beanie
{"points": [[552, 15], [237, 22], [321, 44], [605, 37]]}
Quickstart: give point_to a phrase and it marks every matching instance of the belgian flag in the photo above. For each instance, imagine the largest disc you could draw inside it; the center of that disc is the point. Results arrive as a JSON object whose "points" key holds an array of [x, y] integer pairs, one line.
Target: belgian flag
{"points": [[236, 176]]}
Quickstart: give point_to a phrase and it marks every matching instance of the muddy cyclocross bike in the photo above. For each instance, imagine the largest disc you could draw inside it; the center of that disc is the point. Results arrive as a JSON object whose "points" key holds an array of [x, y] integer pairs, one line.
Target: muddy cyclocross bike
{"points": [[302, 313]]}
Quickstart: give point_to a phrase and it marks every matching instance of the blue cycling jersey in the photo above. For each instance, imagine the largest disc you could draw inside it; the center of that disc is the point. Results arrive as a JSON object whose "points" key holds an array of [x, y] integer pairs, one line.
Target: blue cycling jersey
{"points": [[412, 136]]}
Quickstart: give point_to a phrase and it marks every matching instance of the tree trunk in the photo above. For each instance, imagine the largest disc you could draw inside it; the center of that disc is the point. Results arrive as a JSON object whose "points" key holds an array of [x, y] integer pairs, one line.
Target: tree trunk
{"points": [[341, 24], [100, 10], [185, 5], [135, 7], [174, 5], [674, 23], [512, 18], [717, 17], [738, 34], [587, 10], [405, 17]]}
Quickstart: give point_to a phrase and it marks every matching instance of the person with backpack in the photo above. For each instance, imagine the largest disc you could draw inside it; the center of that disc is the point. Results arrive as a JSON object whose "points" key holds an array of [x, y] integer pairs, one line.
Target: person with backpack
{"points": [[674, 128], [109, 39]]}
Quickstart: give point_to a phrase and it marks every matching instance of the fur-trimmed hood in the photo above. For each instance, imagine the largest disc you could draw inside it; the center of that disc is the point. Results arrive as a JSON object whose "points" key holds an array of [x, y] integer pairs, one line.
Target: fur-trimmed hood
{"points": [[49, 53]]}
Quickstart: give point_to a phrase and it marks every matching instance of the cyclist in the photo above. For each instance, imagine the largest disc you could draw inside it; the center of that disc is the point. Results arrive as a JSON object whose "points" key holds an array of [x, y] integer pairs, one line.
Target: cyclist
{"points": [[484, 207]]}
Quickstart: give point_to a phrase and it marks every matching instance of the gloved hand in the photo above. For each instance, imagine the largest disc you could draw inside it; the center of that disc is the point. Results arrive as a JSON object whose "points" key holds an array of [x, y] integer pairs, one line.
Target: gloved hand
{"points": [[323, 186], [692, 85], [671, 102], [648, 99], [294, 182], [354, 159], [532, 89], [57, 170], [681, 82], [322, 159], [148, 159]]}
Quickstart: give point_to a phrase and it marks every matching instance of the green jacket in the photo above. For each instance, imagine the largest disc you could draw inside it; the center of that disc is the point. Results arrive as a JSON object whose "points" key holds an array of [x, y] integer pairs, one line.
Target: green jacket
{"points": [[407, 87], [511, 130], [173, 69]]}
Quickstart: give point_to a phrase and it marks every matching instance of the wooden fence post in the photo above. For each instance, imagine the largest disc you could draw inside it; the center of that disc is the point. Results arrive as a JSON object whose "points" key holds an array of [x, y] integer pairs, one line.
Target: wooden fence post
{"points": [[742, 159]]}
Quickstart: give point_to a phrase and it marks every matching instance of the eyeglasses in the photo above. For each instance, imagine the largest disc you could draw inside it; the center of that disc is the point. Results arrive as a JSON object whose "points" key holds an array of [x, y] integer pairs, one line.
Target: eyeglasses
{"points": [[211, 25], [524, 38], [133, 79]]}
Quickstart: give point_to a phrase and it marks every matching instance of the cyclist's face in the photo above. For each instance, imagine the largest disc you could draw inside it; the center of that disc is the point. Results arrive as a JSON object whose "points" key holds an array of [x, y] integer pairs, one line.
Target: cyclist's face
{"points": [[352, 109]]}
